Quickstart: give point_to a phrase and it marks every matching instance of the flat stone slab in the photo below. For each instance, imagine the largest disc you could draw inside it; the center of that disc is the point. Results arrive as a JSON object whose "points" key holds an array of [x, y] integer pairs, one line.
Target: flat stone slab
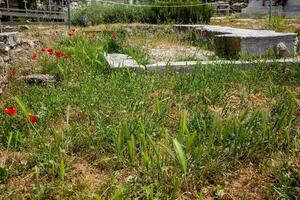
{"points": [[242, 42], [188, 66], [38, 79], [117, 60]]}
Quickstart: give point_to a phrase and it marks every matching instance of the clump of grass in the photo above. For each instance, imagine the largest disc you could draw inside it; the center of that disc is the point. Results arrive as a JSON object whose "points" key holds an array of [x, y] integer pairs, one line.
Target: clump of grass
{"points": [[276, 23], [204, 43]]}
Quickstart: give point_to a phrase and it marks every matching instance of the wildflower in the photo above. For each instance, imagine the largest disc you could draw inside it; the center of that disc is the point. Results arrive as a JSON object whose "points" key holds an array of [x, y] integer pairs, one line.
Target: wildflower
{"points": [[34, 55], [50, 51], [33, 118], [10, 111], [57, 54], [13, 72], [43, 49], [70, 33], [114, 35]]}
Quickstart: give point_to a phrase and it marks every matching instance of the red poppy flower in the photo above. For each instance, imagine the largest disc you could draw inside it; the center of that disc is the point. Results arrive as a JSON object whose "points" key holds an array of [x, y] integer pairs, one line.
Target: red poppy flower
{"points": [[43, 49], [13, 72], [34, 55], [114, 35], [10, 111], [70, 33], [57, 54], [33, 118], [50, 51], [62, 54]]}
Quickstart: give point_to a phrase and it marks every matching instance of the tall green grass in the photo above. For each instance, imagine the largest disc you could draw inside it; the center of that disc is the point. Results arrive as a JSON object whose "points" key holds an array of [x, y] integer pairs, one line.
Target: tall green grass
{"points": [[155, 13]]}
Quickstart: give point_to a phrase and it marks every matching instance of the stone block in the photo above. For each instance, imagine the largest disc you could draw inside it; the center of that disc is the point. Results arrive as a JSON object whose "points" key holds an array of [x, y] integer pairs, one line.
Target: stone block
{"points": [[117, 60], [244, 42]]}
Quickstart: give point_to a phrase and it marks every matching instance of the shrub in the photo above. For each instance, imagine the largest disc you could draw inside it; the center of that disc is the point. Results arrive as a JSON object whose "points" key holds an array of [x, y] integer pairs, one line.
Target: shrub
{"points": [[185, 14], [103, 13]]}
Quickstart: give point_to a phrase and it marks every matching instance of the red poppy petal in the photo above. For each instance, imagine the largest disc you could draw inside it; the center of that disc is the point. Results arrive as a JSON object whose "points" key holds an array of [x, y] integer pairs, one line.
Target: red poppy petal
{"points": [[13, 72], [33, 118], [10, 111]]}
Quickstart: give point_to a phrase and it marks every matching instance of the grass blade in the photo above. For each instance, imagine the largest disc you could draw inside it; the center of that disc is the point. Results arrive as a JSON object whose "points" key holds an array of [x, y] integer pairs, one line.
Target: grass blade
{"points": [[180, 155]]}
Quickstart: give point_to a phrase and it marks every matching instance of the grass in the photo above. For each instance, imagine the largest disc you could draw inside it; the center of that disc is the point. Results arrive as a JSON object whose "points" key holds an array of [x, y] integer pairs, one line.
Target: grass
{"points": [[156, 12], [104, 134], [276, 23]]}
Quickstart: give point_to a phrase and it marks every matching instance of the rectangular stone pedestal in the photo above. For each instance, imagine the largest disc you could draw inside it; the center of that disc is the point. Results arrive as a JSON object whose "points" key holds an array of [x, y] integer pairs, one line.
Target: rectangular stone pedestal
{"points": [[243, 42]]}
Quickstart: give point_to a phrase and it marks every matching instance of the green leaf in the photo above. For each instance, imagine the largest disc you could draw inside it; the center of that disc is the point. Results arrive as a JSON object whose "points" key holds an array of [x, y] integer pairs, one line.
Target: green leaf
{"points": [[22, 106], [180, 155]]}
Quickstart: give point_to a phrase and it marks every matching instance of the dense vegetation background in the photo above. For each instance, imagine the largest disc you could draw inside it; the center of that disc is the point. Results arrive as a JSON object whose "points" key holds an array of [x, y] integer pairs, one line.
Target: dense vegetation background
{"points": [[154, 13]]}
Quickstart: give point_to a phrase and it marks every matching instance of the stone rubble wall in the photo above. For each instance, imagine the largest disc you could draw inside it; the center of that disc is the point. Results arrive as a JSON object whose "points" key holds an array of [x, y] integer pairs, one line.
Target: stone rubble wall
{"points": [[8, 41], [13, 48]]}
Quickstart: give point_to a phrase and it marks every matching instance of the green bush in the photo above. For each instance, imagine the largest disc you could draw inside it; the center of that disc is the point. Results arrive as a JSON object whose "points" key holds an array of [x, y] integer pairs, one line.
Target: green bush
{"points": [[103, 14], [158, 13], [185, 14]]}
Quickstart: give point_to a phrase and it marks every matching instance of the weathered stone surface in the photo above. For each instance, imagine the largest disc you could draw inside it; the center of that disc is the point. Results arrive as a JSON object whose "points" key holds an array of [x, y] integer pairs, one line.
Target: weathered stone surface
{"points": [[9, 29], [281, 50], [255, 8], [3, 82], [17, 39], [8, 41], [38, 79], [23, 27], [189, 66], [4, 48], [117, 60], [235, 41], [6, 58], [28, 42], [11, 41], [9, 38], [1, 61], [237, 7]]}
